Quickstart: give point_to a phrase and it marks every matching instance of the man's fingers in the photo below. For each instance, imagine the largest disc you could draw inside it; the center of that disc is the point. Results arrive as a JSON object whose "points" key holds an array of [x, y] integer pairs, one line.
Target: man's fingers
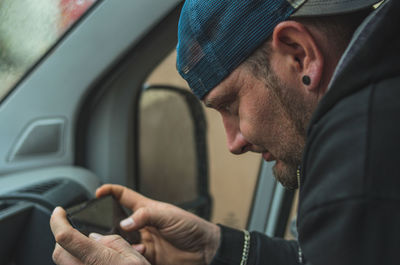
{"points": [[62, 257], [77, 244], [125, 196], [75, 249], [147, 212], [141, 248], [120, 246], [115, 242], [146, 216]]}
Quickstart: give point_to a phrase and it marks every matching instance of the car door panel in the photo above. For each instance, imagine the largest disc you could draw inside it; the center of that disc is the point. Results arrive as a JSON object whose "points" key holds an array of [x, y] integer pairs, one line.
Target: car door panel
{"points": [[58, 84], [26, 202]]}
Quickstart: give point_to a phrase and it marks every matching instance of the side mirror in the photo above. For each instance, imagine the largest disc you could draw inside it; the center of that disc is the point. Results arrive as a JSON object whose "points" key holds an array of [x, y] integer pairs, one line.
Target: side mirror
{"points": [[172, 144]]}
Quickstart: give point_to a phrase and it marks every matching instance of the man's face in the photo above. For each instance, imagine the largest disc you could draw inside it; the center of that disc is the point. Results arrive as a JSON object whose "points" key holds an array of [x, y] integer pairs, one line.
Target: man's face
{"points": [[263, 115]]}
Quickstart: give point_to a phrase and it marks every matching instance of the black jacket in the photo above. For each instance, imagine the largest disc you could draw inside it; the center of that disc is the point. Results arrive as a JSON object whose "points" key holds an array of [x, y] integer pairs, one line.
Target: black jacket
{"points": [[349, 208]]}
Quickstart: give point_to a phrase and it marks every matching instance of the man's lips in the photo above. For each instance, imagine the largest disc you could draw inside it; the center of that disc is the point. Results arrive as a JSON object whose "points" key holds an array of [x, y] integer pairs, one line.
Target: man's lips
{"points": [[268, 156]]}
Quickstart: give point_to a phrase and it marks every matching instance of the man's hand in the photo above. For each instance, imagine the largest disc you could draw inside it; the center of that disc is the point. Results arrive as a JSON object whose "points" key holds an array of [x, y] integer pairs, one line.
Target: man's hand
{"points": [[170, 235], [73, 248]]}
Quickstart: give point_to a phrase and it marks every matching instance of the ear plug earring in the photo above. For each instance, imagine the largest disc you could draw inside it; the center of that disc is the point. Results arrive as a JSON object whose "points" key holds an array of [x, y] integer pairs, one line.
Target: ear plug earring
{"points": [[306, 80]]}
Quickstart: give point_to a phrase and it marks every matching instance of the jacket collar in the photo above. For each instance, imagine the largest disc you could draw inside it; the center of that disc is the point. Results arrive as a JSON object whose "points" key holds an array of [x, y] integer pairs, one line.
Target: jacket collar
{"points": [[372, 55]]}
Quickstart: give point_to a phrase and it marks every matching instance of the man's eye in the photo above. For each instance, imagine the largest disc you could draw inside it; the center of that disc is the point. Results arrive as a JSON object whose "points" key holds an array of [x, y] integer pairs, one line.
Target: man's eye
{"points": [[224, 107]]}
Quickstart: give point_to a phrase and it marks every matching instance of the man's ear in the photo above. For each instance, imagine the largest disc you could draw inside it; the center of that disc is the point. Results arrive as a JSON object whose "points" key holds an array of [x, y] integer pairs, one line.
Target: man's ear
{"points": [[299, 53]]}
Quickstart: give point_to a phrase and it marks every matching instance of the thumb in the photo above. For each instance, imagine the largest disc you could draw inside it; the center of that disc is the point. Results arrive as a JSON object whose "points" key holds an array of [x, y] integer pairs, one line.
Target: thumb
{"points": [[146, 216]]}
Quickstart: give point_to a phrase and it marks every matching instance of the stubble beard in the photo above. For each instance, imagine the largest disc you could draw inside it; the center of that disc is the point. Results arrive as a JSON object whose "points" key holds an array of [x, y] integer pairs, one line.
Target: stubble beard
{"points": [[286, 169], [294, 108], [286, 175]]}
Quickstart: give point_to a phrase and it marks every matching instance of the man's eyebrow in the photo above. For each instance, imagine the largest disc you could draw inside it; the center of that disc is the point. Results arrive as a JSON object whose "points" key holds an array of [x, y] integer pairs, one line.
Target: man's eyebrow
{"points": [[213, 102], [223, 94], [209, 103]]}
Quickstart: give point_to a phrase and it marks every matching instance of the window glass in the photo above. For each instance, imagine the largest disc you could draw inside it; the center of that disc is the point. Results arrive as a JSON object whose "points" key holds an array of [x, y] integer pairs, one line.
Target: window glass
{"points": [[291, 228], [28, 29], [232, 178], [378, 4]]}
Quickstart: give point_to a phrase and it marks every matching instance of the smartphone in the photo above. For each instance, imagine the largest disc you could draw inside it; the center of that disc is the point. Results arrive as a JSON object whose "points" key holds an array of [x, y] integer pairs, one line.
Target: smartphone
{"points": [[101, 216]]}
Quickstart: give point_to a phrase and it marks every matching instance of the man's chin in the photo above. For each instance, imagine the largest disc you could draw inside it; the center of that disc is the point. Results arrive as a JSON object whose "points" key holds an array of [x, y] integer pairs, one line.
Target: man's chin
{"points": [[286, 174]]}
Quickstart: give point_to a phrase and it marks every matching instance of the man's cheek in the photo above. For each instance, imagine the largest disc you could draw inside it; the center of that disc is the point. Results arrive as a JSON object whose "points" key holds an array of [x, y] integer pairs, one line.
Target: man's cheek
{"points": [[251, 134]]}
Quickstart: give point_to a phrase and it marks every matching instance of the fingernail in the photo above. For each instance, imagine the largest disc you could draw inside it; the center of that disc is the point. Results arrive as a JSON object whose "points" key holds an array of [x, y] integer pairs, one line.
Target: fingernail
{"points": [[139, 248], [95, 236], [127, 223], [58, 208]]}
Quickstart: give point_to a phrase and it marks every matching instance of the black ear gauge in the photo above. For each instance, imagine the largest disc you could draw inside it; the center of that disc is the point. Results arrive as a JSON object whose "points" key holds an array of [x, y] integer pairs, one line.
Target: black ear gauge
{"points": [[306, 80]]}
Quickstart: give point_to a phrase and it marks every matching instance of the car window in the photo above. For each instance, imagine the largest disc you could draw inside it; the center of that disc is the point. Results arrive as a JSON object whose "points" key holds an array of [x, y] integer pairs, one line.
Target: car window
{"points": [[28, 29], [291, 228]]}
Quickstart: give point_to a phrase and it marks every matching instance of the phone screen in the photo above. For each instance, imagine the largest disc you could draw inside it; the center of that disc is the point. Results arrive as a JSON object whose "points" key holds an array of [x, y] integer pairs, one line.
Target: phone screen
{"points": [[101, 216]]}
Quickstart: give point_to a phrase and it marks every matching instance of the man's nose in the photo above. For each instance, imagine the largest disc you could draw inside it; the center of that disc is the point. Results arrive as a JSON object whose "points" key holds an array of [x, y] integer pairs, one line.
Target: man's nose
{"points": [[237, 144]]}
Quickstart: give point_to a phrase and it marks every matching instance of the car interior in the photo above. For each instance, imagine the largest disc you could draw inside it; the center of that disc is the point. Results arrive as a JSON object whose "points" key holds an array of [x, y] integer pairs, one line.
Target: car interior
{"points": [[92, 96]]}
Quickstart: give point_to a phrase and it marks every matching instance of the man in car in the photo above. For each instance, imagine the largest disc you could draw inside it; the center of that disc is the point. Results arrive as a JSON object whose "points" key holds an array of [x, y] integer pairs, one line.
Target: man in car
{"points": [[312, 85]]}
